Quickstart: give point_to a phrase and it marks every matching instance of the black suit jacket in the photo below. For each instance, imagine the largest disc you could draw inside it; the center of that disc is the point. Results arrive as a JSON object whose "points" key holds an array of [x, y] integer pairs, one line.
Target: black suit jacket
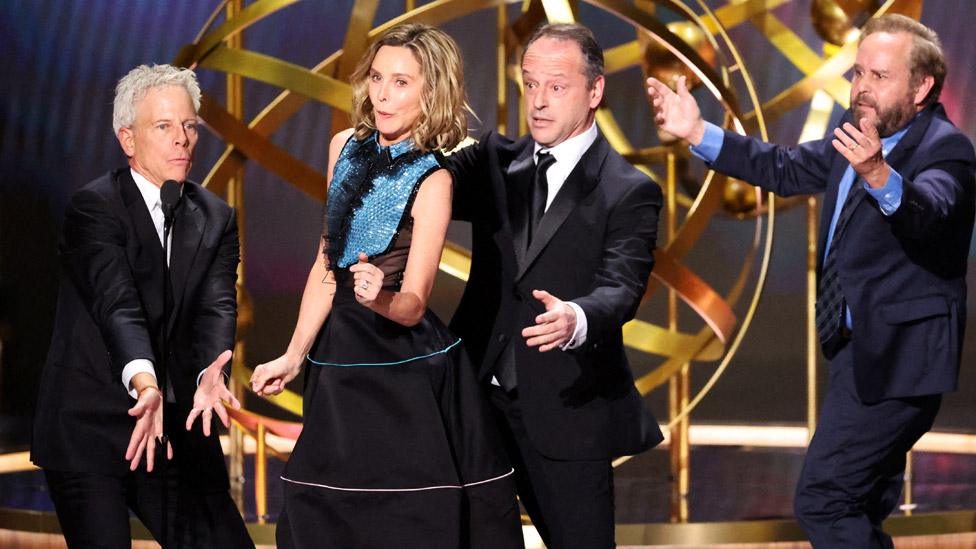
{"points": [[110, 311], [904, 275], [594, 246]]}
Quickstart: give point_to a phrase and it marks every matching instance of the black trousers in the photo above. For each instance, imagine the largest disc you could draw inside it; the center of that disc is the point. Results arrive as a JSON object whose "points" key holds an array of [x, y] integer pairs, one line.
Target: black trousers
{"points": [[570, 502], [93, 508], [853, 472]]}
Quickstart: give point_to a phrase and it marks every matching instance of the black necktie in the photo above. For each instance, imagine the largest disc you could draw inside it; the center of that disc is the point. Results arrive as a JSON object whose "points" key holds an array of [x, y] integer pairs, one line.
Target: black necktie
{"points": [[539, 192], [831, 307]]}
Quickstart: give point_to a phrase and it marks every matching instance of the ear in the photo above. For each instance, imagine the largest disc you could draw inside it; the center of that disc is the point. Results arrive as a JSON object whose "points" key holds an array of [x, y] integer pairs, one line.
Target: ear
{"points": [[923, 89], [127, 141], [596, 92]]}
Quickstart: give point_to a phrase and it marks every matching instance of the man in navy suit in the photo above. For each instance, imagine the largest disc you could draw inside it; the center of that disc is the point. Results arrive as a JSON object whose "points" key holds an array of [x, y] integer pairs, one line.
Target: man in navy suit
{"points": [[894, 240]]}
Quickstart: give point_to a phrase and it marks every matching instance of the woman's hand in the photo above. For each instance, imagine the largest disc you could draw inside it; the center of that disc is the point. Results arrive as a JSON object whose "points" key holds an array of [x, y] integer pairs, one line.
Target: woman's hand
{"points": [[270, 378], [367, 279]]}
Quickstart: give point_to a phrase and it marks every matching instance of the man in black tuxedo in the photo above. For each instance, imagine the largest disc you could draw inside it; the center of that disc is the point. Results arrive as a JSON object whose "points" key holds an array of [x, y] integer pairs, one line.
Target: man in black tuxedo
{"points": [[101, 406], [564, 231], [894, 241]]}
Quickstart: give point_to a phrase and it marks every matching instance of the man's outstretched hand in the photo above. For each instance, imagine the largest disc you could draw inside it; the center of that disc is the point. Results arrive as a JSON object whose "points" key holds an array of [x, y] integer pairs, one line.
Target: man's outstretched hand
{"points": [[553, 328], [148, 430], [676, 112], [211, 395]]}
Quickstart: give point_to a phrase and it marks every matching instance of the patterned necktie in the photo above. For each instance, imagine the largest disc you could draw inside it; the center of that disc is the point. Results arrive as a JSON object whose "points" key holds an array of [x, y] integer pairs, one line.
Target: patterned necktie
{"points": [[539, 193], [831, 306]]}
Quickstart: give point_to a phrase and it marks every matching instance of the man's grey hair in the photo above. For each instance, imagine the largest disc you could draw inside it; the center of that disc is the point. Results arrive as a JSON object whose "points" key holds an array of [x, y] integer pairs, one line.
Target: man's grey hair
{"points": [[133, 87]]}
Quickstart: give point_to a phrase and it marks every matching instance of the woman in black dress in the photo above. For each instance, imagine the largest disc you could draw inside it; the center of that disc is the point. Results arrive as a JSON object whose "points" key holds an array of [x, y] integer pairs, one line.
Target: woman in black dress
{"points": [[397, 448]]}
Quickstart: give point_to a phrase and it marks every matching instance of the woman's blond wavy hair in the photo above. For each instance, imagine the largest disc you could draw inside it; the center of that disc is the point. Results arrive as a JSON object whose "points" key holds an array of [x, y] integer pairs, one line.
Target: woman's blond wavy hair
{"points": [[443, 122]]}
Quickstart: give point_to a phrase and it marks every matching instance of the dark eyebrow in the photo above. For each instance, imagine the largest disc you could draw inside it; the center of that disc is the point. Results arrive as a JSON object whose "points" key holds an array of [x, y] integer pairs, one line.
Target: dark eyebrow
{"points": [[396, 74], [553, 75]]}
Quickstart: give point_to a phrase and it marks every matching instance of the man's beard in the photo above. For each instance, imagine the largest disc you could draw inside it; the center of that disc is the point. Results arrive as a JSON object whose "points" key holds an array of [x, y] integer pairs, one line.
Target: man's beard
{"points": [[889, 120]]}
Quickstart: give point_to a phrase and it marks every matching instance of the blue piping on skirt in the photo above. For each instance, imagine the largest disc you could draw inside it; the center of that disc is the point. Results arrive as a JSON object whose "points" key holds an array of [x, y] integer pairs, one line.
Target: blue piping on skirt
{"points": [[435, 353]]}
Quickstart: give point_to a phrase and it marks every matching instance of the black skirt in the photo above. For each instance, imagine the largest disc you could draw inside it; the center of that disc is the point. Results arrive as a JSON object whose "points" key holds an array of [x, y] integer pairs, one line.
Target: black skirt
{"points": [[398, 448]]}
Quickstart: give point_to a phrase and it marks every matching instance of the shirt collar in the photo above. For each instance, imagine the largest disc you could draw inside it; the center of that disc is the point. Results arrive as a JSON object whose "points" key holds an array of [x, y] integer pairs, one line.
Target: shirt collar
{"points": [[890, 142], [149, 192], [396, 149], [570, 151]]}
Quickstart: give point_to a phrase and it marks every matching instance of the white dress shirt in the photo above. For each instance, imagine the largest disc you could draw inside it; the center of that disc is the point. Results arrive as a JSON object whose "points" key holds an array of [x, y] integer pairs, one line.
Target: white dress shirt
{"points": [[150, 194], [567, 155]]}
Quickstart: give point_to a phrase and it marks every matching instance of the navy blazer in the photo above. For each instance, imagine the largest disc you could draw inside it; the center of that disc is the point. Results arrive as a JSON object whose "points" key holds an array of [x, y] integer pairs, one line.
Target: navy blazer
{"points": [[594, 246], [110, 311], [903, 275]]}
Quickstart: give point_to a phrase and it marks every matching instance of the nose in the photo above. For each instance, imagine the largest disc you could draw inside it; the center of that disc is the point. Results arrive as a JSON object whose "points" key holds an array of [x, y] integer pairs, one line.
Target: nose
{"points": [[860, 85], [539, 98], [383, 92], [181, 138]]}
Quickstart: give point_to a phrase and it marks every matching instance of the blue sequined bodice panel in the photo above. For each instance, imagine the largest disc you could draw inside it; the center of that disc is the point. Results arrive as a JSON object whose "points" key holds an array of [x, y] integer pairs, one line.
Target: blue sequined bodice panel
{"points": [[372, 187]]}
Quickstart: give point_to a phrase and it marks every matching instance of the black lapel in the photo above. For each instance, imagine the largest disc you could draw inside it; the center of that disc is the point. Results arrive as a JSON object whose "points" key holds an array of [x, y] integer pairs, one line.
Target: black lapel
{"points": [[578, 184], [148, 264], [518, 182], [188, 227]]}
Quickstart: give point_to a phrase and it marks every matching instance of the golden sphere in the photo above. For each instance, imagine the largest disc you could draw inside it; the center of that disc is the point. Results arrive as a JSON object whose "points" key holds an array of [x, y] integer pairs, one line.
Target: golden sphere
{"points": [[832, 23], [738, 197], [659, 62]]}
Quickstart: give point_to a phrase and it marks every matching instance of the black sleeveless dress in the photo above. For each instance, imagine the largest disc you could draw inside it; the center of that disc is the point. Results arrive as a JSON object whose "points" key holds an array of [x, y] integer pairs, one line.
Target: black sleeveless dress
{"points": [[398, 449]]}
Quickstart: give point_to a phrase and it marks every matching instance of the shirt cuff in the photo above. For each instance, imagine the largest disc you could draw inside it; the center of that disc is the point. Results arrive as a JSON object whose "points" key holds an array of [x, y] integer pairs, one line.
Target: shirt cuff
{"points": [[136, 366], [203, 371], [579, 334], [711, 143], [889, 196]]}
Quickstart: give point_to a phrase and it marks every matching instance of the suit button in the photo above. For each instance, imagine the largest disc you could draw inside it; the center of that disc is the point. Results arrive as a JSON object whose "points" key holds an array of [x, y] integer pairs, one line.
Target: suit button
{"points": [[501, 338], [516, 295]]}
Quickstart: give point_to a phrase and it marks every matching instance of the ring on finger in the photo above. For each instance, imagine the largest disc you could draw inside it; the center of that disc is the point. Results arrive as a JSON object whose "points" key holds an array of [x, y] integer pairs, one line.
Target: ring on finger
{"points": [[364, 285]]}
